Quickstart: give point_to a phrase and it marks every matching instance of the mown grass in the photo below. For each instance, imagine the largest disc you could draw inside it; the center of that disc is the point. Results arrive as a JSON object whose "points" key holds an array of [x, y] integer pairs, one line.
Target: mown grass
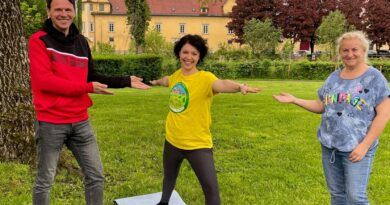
{"points": [[265, 152]]}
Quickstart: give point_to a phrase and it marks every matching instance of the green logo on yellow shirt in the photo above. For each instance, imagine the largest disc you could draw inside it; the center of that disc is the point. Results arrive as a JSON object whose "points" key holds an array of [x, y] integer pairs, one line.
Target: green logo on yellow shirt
{"points": [[178, 98]]}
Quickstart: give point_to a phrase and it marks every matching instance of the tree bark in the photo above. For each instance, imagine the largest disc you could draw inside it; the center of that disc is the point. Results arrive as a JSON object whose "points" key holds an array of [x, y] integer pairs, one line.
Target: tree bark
{"points": [[17, 115]]}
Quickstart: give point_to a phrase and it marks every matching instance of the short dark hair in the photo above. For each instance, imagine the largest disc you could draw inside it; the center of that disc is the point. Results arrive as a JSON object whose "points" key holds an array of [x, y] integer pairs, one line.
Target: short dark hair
{"points": [[194, 40], [48, 3]]}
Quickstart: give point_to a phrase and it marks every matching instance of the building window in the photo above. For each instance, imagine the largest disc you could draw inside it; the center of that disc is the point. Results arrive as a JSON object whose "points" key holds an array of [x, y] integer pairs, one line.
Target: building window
{"points": [[182, 28], [101, 7], [158, 27], [203, 10], [91, 27], [111, 39], [91, 7], [111, 27], [230, 31], [205, 29]]}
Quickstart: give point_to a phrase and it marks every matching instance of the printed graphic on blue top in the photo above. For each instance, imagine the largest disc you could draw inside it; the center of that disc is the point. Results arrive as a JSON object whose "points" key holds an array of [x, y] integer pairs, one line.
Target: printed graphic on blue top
{"points": [[178, 98], [350, 108]]}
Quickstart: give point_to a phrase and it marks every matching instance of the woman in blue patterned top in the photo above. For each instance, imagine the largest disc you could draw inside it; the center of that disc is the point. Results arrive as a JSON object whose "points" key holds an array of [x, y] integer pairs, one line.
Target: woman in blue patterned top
{"points": [[355, 106]]}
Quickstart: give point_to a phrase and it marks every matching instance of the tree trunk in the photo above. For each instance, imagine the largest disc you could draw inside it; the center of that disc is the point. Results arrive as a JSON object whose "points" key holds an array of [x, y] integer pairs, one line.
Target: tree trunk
{"points": [[17, 115], [139, 49]]}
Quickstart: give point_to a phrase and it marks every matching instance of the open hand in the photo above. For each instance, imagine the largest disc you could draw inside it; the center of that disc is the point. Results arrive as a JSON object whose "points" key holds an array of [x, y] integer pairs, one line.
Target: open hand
{"points": [[137, 83], [99, 88], [285, 98], [244, 89], [153, 82]]}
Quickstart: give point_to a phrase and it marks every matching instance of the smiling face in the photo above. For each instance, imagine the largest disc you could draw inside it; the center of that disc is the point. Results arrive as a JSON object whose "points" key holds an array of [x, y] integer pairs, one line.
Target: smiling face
{"points": [[352, 53], [189, 57], [61, 13]]}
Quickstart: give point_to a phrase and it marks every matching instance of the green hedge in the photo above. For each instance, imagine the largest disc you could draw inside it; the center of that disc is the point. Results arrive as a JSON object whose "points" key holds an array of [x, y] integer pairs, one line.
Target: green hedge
{"points": [[266, 69], [311, 70], [152, 67], [146, 66], [383, 66]]}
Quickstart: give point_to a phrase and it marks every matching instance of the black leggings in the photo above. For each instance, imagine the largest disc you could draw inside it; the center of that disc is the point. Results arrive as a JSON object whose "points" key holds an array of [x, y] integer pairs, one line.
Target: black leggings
{"points": [[202, 163]]}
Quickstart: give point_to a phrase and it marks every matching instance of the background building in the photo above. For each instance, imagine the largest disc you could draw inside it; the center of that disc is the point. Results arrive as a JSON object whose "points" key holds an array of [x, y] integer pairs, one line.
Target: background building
{"points": [[105, 21]]}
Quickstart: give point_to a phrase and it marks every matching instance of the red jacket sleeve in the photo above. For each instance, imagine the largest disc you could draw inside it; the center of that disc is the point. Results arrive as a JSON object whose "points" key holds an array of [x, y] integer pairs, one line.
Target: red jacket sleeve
{"points": [[44, 79]]}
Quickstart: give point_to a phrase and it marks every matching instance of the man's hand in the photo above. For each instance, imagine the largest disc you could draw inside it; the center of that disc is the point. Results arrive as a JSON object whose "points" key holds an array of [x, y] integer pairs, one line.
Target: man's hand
{"points": [[99, 88], [137, 83]]}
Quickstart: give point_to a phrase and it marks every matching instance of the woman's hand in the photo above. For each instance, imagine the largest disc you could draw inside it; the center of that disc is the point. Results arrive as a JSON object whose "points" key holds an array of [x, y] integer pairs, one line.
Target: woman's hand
{"points": [[244, 89], [359, 152], [285, 98]]}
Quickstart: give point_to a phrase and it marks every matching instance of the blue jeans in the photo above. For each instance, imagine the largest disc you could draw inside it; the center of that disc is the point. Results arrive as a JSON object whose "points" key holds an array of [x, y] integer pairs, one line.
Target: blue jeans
{"points": [[347, 181], [80, 139]]}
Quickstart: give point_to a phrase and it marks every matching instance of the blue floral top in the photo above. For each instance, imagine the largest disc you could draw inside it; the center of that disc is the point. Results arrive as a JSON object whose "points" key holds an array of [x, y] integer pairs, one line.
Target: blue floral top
{"points": [[350, 108]]}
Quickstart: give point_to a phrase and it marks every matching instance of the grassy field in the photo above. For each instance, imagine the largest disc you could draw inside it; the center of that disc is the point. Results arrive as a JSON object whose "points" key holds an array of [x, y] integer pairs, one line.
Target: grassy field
{"points": [[265, 152]]}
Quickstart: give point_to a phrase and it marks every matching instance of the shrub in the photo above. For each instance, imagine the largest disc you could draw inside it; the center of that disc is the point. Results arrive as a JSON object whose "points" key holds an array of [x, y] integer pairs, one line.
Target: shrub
{"points": [[146, 66], [222, 70], [311, 70], [383, 66]]}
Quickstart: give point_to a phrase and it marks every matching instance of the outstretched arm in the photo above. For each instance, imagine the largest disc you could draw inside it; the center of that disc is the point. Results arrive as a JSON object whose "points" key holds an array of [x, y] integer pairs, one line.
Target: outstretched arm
{"points": [[137, 83], [161, 82], [377, 126], [229, 86], [315, 106]]}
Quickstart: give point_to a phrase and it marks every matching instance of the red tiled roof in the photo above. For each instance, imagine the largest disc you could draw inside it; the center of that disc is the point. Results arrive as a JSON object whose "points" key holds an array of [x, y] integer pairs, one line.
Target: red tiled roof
{"points": [[174, 7]]}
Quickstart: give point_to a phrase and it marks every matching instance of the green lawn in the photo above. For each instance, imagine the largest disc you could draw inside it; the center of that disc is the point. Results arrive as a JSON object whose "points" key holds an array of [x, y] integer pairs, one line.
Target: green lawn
{"points": [[265, 152]]}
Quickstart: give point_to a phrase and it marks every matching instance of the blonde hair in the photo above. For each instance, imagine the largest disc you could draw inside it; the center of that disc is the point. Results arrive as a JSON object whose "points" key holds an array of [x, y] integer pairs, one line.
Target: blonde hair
{"points": [[365, 43]]}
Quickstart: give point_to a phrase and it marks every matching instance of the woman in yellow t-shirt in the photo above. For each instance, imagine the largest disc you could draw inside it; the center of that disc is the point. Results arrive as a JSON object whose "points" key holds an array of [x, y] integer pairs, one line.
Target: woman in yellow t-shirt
{"points": [[188, 122]]}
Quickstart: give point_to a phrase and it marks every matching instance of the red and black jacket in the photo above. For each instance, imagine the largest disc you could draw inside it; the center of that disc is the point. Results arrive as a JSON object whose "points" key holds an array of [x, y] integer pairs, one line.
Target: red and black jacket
{"points": [[62, 73]]}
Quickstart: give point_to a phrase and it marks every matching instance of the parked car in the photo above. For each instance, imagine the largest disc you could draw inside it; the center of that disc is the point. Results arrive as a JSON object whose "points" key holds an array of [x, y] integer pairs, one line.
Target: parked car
{"points": [[378, 54]]}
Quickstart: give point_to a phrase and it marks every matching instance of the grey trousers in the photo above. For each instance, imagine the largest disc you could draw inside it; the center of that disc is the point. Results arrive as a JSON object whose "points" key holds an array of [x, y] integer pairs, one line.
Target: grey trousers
{"points": [[80, 139]]}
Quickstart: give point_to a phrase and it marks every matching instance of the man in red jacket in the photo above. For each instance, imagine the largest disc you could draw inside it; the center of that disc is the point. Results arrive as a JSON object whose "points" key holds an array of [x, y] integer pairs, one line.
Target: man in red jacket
{"points": [[62, 75]]}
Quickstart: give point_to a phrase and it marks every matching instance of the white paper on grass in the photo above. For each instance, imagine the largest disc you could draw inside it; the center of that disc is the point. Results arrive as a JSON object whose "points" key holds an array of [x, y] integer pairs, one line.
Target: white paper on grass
{"points": [[150, 199]]}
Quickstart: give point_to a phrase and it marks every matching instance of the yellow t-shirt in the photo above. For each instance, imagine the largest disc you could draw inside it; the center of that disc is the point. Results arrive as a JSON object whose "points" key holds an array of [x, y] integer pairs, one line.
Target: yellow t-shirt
{"points": [[188, 122]]}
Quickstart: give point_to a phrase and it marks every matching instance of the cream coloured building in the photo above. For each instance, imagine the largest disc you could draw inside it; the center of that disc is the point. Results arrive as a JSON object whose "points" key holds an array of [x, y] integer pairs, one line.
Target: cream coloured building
{"points": [[105, 21]]}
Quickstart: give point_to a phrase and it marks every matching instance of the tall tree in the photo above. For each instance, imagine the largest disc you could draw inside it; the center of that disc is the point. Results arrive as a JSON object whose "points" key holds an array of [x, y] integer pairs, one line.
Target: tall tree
{"points": [[331, 28], [79, 19], [377, 19], [299, 19], [353, 11], [16, 118], [138, 17], [261, 36], [33, 15], [245, 10]]}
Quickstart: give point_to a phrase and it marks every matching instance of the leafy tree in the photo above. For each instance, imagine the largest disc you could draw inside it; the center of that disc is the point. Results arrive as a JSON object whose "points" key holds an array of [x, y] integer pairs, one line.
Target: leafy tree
{"points": [[331, 28], [299, 19], [33, 15], [353, 10], [138, 17], [287, 49], [78, 19], [105, 48], [245, 10], [262, 37], [378, 21], [155, 43], [16, 118]]}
